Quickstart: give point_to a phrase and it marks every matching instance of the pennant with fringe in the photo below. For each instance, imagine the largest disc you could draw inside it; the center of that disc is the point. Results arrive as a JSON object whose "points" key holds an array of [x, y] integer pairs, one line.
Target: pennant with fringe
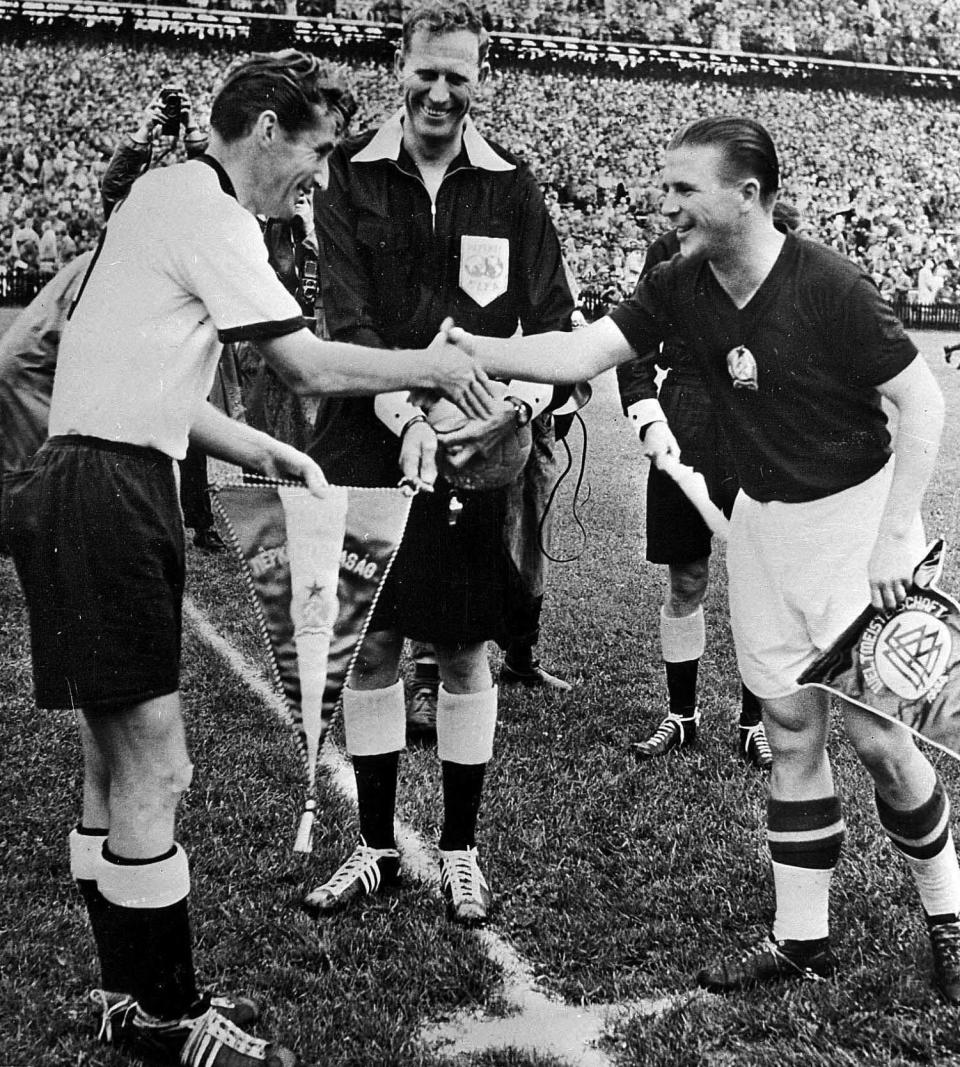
{"points": [[903, 663], [314, 567]]}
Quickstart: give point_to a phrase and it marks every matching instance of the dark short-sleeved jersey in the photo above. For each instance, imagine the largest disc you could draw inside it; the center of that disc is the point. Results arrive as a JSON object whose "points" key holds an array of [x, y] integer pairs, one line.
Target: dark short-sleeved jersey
{"points": [[823, 339], [394, 265]]}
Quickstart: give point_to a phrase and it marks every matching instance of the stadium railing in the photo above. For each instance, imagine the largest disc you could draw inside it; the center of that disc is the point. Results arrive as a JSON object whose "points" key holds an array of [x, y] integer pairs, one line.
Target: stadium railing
{"points": [[17, 290], [928, 316], [363, 38]]}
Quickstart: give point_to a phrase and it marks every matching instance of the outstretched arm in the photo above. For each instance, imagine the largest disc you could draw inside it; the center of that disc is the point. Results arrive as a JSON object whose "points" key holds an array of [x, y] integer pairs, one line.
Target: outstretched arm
{"points": [[310, 367], [555, 358]]}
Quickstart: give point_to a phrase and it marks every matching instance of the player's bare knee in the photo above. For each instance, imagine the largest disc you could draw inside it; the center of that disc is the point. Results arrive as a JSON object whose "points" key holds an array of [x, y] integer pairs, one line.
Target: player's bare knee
{"points": [[168, 780], [687, 587], [378, 662], [886, 750], [464, 668]]}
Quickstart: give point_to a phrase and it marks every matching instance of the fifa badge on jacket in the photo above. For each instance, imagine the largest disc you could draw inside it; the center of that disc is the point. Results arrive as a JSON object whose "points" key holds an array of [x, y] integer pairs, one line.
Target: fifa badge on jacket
{"points": [[484, 267], [743, 368]]}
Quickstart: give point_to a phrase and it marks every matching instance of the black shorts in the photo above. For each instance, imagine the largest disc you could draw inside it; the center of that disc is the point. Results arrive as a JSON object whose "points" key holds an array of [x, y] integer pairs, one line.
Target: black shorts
{"points": [[96, 534], [450, 584], [676, 534]]}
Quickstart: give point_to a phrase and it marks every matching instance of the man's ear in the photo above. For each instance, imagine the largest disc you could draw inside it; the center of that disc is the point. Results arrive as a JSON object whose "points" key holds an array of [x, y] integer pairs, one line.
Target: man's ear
{"points": [[484, 72], [750, 193], [398, 62], [266, 127]]}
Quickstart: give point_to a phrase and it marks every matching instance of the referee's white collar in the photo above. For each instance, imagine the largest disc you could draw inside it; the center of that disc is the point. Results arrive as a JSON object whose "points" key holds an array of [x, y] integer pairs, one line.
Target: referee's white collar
{"points": [[386, 142]]}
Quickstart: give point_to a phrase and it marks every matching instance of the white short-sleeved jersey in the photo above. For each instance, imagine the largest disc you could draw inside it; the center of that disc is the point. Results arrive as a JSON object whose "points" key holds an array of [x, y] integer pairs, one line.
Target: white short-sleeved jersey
{"points": [[183, 269]]}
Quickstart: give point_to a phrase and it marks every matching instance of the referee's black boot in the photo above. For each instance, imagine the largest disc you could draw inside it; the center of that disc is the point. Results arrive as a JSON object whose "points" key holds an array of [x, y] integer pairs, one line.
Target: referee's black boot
{"points": [[207, 539], [675, 731], [533, 676]]}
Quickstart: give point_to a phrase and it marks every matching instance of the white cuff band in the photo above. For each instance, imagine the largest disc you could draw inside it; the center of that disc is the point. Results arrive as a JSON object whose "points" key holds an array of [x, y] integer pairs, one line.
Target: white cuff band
{"points": [[146, 885], [86, 855], [684, 638], [643, 412], [394, 410], [374, 720], [466, 723]]}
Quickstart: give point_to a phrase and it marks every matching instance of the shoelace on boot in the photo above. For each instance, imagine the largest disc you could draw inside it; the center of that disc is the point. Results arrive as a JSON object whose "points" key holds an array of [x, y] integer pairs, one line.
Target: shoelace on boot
{"points": [[461, 875], [362, 865], [757, 736]]}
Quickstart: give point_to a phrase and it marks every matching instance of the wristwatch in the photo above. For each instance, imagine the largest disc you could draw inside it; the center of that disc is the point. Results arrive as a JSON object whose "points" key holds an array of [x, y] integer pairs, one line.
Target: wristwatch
{"points": [[523, 410]]}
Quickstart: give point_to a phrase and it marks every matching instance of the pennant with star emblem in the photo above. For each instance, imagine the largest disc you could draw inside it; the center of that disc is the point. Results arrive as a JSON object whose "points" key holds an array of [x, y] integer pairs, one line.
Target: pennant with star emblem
{"points": [[315, 565], [903, 663]]}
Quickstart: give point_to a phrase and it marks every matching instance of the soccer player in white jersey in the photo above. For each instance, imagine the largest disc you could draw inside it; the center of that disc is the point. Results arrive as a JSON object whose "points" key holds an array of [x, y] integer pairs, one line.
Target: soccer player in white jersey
{"points": [[94, 525]]}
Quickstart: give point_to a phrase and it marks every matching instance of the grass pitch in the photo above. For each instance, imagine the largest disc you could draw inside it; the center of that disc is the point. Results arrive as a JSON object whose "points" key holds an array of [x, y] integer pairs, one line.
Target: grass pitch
{"points": [[615, 880]]}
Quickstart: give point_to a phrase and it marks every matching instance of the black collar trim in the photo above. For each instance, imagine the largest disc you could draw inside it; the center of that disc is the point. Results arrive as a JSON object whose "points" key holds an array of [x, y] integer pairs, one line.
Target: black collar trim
{"points": [[225, 184]]}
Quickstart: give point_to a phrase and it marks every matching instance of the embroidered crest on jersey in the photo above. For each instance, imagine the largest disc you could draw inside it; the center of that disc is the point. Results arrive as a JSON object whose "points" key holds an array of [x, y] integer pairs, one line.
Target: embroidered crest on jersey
{"points": [[743, 368], [484, 267]]}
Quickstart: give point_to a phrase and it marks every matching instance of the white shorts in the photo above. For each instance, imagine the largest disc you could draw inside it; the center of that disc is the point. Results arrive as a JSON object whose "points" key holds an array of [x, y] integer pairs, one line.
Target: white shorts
{"points": [[798, 578]]}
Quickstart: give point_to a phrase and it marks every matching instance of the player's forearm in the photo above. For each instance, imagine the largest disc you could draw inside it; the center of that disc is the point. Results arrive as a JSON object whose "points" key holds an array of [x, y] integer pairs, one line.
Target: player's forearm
{"points": [[537, 358], [224, 438], [556, 358], [339, 369], [917, 442], [311, 367]]}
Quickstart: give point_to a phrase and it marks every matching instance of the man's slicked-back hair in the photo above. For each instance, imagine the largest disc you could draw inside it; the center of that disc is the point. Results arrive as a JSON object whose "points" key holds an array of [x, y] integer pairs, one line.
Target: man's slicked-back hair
{"points": [[289, 83], [748, 150], [445, 16]]}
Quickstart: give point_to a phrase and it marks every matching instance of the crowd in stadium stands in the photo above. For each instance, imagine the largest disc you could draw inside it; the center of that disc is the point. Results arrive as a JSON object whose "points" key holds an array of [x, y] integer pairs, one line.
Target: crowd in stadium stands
{"points": [[920, 33], [877, 177]]}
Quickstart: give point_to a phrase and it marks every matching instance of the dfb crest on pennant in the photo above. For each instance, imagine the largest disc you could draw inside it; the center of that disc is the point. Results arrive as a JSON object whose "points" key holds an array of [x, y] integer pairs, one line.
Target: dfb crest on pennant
{"points": [[903, 664], [484, 267]]}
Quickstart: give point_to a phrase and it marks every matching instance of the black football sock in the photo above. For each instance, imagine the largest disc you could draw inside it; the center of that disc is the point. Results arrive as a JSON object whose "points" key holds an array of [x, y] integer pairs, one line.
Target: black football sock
{"points": [[153, 945], [376, 778], [519, 656], [86, 848], [750, 707], [682, 641], [682, 687], [462, 792]]}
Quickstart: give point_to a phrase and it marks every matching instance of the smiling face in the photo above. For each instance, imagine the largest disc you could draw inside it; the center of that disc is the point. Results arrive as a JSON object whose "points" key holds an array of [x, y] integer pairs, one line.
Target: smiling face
{"points": [[701, 201], [439, 74], [294, 163]]}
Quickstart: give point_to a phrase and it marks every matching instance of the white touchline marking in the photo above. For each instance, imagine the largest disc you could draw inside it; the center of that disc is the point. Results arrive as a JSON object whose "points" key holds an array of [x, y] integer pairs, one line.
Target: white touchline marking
{"points": [[540, 1023]]}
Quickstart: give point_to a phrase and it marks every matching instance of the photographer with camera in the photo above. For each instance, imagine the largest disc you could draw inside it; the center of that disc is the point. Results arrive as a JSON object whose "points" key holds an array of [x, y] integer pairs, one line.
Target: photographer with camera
{"points": [[167, 113]]}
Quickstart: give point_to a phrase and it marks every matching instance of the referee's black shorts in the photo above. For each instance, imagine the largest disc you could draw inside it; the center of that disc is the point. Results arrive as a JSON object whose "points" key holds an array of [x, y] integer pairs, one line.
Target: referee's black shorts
{"points": [[96, 534], [451, 584], [676, 534]]}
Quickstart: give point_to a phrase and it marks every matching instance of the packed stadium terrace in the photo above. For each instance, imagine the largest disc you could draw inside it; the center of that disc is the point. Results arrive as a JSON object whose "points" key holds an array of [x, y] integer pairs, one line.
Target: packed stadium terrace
{"points": [[876, 176], [913, 33]]}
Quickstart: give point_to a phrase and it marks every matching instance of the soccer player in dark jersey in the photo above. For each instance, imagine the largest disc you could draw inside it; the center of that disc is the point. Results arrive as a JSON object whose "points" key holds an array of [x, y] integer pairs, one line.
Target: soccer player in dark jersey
{"points": [[798, 349], [677, 535]]}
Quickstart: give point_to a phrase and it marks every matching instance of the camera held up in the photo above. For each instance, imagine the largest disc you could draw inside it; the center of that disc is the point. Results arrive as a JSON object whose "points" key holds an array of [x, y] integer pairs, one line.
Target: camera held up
{"points": [[173, 117]]}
